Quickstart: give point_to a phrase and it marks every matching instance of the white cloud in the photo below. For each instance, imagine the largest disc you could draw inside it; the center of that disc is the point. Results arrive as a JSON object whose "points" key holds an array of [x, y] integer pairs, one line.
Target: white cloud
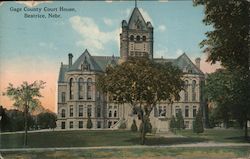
{"points": [[1, 3], [92, 37], [161, 28], [146, 15], [108, 21], [179, 52], [32, 3], [109, 1]]}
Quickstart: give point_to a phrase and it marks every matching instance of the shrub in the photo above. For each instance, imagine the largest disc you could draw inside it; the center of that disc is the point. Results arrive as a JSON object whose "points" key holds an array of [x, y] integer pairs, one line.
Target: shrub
{"points": [[172, 125], [198, 124], [134, 126], [89, 123], [148, 128]]}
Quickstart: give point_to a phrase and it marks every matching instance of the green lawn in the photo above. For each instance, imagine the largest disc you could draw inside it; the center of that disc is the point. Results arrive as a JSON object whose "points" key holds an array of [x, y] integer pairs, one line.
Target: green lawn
{"points": [[146, 153], [85, 138], [218, 135]]}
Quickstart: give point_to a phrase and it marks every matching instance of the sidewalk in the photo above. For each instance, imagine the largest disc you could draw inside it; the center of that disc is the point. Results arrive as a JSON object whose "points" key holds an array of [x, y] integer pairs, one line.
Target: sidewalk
{"points": [[202, 144]]}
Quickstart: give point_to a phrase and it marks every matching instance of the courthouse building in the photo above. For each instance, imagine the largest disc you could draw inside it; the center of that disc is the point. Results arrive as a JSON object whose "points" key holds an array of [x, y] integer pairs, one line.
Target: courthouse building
{"points": [[79, 98]]}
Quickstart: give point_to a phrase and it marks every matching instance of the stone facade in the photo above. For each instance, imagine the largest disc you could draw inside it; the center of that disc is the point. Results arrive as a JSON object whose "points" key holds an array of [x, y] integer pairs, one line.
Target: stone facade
{"points": [[79, 98]]}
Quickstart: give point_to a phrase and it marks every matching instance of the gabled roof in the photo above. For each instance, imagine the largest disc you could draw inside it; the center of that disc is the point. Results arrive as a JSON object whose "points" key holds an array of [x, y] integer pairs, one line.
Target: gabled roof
{"points": [[136, 18], [184, 63], [85, 57]]}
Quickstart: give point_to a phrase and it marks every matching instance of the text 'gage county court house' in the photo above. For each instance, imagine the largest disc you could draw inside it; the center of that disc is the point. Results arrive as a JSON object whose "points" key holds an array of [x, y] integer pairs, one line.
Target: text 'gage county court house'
{"points": [[78, 97]]}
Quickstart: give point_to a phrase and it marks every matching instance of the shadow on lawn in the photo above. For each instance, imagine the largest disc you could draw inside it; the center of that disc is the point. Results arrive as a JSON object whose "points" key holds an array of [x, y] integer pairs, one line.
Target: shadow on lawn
{"points": [[241, 139], [168, 141]]}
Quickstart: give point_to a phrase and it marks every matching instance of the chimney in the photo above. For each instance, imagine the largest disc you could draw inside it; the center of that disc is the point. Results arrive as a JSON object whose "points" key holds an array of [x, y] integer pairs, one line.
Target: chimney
{"points": [[70, 59], [198, 62]]}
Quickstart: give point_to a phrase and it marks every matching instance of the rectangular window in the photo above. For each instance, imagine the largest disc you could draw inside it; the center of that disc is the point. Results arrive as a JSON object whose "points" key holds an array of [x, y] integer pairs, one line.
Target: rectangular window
{"points": [[89, 110], [98, 111], [186, 112], [194, 111], [63, 125], [71, 111], [80, 124], [63, 96], [80, 110], [99, 124], [71, 124]]}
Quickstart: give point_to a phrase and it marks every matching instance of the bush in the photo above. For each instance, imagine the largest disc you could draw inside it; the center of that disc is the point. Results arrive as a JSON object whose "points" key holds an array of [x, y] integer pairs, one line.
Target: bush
{"points": [[134, 127], [172, 125], [89, 123], [198, 124], [148, 128], [179, 121], [123, 125]]}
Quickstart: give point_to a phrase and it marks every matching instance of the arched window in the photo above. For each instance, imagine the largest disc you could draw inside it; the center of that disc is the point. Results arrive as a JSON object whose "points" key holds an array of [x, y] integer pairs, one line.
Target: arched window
{"points": [[81, 88], [63, 113], [132, 38], [186, 91], [71, 89], [138, 38], [115, 113], [89, 88], [144, 38], [110, 113], [193, 90]]}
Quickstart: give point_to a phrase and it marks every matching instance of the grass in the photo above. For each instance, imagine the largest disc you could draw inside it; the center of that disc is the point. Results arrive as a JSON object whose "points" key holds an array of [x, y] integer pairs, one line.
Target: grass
{"points": [[145, 153], [218, 135], [86, 138]]}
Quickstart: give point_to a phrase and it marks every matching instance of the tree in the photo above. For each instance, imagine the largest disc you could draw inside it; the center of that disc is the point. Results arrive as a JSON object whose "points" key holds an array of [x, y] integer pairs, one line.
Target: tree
{"points": [[198, 124], [228, 43], [4, 119], [46, 120], [173, 125], [134, 126], [89, 123], [179, 121], [218, 90], [25, 98], [141, 83]]}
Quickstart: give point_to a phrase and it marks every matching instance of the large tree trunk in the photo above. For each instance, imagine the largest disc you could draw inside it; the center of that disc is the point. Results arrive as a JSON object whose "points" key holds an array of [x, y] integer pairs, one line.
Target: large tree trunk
{"points": [[26, 125], [246, 131]]}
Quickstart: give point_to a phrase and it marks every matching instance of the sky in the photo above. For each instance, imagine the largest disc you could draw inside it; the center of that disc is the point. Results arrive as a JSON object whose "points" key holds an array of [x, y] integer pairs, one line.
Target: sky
{"points": [[33, 48]]}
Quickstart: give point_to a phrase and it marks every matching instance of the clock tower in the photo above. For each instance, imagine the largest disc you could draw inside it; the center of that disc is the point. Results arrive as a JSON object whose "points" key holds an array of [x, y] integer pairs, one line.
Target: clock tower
{"points": [[136, 39]]}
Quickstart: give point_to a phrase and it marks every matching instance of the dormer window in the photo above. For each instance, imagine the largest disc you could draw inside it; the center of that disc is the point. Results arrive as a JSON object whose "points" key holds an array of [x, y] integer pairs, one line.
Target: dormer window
{"points": [[85, 65]]}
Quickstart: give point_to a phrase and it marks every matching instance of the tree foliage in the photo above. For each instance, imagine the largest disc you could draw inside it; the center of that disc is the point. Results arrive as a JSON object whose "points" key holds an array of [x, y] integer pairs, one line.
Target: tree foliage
{"points": [[46, 120], [228, 43], [141, 83], [25, 98], [198, 123], [179, 121]]}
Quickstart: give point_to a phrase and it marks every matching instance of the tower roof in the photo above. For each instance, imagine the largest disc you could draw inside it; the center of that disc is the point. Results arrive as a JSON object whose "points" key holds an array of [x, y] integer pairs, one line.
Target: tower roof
{"points": [[136, 20]]}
